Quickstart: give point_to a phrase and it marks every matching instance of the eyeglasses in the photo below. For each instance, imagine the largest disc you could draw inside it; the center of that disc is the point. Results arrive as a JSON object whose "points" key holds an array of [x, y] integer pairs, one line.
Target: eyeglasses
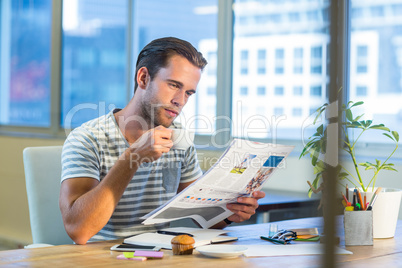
{"points": [[285, 235]]}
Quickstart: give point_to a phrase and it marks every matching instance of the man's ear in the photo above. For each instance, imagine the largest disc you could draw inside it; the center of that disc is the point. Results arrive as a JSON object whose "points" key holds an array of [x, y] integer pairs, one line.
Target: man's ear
{"points": [[143, 77]]}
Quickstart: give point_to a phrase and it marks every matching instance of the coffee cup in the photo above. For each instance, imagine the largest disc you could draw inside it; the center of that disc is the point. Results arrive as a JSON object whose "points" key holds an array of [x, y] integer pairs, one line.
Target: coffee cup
{"points": [[182, 138]]}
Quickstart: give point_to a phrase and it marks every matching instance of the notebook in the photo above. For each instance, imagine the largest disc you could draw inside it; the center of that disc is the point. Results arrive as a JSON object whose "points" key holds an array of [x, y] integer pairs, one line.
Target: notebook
{"points": [[201, 237]]}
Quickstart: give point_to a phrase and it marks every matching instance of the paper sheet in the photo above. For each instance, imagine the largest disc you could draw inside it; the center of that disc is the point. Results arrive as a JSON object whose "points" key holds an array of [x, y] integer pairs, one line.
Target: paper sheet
{"points": [[242, 169], [288, 250], [201, 237]]}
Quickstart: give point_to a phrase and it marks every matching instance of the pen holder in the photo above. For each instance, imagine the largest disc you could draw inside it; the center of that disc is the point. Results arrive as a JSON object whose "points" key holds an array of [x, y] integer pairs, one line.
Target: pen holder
{"points": [[358, 228]]}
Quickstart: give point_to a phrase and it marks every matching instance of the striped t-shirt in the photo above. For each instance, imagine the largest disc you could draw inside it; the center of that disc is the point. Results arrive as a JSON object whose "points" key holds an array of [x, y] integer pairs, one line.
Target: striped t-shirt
{"points": [[92, 149]]}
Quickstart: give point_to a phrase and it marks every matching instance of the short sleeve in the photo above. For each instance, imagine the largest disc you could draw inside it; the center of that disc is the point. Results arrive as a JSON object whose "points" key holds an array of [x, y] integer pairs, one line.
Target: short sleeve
{"points": [[80, 156]]}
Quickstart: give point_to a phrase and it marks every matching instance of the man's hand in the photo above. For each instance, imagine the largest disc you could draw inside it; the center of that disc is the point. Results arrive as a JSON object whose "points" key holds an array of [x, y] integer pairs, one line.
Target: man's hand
{"points": [[151, 145], [245, 207]]}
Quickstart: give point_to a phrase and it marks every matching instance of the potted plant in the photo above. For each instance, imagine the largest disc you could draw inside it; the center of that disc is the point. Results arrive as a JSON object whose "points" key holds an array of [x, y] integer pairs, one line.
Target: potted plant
{"points": [[352, 129]]}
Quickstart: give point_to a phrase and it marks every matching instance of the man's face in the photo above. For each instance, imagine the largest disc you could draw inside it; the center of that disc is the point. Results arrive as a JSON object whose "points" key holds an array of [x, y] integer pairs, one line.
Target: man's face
{"points": [[169, 91]]}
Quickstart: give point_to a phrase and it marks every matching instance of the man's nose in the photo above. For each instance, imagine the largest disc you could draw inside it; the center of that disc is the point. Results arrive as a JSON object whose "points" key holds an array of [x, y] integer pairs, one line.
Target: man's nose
{"points": [[179, 99]]}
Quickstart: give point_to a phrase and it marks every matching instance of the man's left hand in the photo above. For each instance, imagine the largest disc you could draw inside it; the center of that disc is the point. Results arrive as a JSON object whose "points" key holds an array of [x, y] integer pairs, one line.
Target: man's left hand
{"points": [[245, 207]]}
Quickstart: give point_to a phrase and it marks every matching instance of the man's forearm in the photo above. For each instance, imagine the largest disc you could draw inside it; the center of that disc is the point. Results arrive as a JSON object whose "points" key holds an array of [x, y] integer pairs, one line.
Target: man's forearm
{"points": [[89, 212]]}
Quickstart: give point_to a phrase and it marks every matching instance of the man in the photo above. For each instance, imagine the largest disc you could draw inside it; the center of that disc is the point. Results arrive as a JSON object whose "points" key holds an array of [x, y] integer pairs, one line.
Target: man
{"points": [[120, 166]]}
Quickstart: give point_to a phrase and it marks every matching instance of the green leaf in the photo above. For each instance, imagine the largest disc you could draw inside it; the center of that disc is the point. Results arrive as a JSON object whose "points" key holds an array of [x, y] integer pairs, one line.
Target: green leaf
{"points": [[314, 160], [366, 123], [319, 111], [320, 129], [378, 162], [389, 136], [390, 168], [343, 175], [357, 104], [396, 135], [354, 125], [358, 117], [349, 115], [380, 127]]}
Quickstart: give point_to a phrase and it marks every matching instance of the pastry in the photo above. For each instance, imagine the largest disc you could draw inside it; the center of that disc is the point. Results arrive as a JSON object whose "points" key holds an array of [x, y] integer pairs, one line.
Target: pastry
{"points": [[182, 245]]}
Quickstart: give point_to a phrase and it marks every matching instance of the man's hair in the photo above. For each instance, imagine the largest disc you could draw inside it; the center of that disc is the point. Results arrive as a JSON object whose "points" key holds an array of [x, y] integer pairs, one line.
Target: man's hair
{"points": [[157, 53]]}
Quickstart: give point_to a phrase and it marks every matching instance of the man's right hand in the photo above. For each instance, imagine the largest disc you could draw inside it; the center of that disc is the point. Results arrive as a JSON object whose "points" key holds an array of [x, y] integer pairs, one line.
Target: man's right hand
{"points": [[151, 145]]}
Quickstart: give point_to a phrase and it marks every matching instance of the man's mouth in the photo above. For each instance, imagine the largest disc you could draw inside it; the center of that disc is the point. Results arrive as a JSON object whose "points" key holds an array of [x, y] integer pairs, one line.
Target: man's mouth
{"points": [[172, 113]]}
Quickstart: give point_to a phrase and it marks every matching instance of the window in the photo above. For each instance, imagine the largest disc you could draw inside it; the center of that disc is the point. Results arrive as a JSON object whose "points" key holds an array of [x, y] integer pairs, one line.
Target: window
{"points": [[316, 60], [294, 17], [279, 60], [94, 60], [211, 91], [261, 91], [270, 44], [361, 91], [261, 58], [316, 91], [361, 61], [279, 91], [295, 42], [278, 111], [376, 63], [244, 62], [212, 62], [298, 60], [377, 11], [397, 9], [96, 70], [297, 112], [243, 91], [25, 63], [297, 90], [312, 15]]}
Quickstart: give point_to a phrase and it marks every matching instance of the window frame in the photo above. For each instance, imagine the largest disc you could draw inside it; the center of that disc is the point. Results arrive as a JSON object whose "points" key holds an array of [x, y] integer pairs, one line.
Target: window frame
{"points": [[223, 124]]}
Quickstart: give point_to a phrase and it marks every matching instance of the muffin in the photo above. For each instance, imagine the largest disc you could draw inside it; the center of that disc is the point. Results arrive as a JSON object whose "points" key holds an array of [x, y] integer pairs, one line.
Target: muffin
{"points": [[182, 245]]}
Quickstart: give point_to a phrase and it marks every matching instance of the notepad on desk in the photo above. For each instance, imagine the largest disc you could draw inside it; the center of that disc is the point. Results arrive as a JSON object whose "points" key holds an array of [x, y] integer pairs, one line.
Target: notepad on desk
{"points": [[201, 237]]}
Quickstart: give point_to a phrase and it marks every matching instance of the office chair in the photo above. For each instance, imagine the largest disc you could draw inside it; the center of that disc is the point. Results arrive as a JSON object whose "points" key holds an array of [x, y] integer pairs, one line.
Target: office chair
{"points": [[42, 167]]}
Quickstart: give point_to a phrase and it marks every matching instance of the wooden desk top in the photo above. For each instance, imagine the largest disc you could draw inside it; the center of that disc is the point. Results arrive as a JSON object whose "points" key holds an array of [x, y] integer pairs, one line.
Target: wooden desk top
{"points": [[384, 252]]}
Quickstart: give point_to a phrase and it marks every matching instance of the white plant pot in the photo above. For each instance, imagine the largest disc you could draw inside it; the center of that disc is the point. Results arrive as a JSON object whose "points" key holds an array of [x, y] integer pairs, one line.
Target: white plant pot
{"points": [[385, 210]]}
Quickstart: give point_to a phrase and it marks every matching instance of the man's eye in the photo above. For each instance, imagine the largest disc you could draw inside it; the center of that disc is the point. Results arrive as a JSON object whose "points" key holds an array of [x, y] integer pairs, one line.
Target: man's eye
{"points": [[189, 93], [174, 85]]}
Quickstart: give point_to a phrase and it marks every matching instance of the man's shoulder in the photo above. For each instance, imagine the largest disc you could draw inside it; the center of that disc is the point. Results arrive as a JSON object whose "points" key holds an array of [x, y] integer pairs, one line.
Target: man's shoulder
{"points": [[102, 124]]}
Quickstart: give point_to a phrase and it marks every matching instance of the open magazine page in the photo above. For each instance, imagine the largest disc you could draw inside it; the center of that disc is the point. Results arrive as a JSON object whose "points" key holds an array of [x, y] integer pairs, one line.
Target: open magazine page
{"points": [[242, 169]]}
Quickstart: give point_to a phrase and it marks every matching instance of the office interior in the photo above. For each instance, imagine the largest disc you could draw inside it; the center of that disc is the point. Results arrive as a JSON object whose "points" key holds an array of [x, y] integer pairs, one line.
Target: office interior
{"points": [[262, 60]]}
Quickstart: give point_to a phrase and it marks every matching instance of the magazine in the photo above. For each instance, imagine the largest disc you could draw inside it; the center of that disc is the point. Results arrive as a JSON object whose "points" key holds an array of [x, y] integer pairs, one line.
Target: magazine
{"points": [[242, 169]]}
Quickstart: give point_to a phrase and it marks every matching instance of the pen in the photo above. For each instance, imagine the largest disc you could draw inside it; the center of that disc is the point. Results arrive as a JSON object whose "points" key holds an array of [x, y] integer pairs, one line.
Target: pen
{"points": [[273, 240], [360, 199], [347, 203], [347, 192], [354, 200], [365, 201], [173, 233], [374, 198]]}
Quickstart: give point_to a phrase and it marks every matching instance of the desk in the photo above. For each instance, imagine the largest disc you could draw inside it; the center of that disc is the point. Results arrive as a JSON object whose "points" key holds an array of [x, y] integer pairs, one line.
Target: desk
{"points": [[384, 253]]}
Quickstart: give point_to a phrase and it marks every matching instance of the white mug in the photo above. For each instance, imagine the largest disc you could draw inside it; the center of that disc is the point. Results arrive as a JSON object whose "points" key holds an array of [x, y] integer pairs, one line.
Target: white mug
{"points": [[182, 138]]}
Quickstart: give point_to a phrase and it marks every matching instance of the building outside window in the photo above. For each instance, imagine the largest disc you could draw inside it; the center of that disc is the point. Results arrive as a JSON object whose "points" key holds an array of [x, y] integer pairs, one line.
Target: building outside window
{"points": [[261, 91], [298, 60], [316, 91], [244, 62], [279, 61], [261, 61], [279, 91], [100, 45], [316, 60]]}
